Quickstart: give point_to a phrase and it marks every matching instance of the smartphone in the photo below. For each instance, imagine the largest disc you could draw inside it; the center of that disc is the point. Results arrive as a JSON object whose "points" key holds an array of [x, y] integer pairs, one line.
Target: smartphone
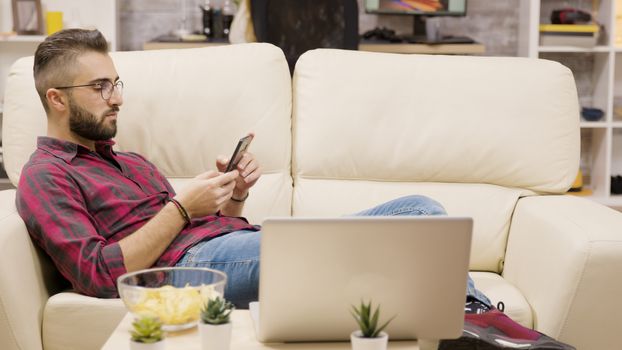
{"points": [[239, 152]]}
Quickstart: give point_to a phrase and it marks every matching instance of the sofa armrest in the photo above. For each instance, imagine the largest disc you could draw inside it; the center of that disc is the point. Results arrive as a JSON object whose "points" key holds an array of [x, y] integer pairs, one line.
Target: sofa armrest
{"points": [[565, 255], [27, 278], [22, 295]]}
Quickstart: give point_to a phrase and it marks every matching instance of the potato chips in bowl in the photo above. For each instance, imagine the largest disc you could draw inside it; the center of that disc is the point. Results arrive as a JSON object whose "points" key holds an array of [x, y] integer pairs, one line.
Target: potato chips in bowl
{"points": [[175, 295]]}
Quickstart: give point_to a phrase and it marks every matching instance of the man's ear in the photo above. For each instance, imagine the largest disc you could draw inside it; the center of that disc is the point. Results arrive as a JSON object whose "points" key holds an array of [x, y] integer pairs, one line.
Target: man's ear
{"points": [[57, 100]]}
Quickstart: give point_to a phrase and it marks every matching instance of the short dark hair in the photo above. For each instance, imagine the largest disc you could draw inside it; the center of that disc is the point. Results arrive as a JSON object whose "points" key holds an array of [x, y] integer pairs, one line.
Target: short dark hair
{"points": [[56, 56]]}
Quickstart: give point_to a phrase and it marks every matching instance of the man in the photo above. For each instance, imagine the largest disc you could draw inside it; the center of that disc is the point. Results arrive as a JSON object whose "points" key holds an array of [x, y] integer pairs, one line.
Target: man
{"points": [[99, 213]]}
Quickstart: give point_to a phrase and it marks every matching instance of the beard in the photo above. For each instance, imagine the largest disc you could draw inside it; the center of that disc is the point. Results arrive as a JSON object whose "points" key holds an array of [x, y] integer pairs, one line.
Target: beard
{"points": [[85, 124]]}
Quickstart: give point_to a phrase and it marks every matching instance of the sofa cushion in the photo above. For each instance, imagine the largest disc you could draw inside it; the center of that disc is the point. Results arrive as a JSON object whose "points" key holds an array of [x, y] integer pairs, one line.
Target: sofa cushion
{"points": [[507, 121], [97, 317], [490, 207], [251, 92]]}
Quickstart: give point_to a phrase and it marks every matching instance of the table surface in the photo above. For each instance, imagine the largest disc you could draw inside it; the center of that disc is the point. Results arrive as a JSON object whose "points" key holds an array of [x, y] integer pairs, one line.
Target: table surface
{"points": [[444, 49], [242, 338]]}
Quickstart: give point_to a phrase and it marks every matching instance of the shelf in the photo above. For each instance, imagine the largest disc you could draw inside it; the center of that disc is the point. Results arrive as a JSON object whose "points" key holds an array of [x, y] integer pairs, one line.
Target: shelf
{"points": [[444, 49], [23, 38], [600, 48], [161, 45], [598, 76], [615, 200], [593, 124], [5, 184]]}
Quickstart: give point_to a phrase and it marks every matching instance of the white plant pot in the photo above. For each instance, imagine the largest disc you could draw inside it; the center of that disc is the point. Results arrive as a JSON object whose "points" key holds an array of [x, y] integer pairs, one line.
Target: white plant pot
{"points": [[360, 343], [215, 337], [148, 346]]}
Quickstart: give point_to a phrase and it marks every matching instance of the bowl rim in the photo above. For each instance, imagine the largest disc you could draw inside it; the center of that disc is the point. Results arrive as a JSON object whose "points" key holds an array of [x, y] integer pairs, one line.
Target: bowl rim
{"points": [[155, 269]]}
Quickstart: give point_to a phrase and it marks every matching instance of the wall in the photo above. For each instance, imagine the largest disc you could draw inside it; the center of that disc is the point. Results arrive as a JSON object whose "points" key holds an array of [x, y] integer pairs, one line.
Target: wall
{"points": [[493, 23]]}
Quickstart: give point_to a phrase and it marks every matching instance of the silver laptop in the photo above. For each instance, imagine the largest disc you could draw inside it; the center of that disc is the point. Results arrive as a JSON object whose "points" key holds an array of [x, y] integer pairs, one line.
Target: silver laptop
{"points": [[313, 270]]}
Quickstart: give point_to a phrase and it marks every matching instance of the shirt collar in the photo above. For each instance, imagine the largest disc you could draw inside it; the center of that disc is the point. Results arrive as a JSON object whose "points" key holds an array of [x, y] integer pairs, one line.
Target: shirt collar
{"points": [[67, 150], [105, 148]]}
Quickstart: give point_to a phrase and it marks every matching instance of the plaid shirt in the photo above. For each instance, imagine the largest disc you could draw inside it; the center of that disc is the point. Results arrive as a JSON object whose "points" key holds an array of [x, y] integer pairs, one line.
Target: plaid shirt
{"points": [[78, 204]]}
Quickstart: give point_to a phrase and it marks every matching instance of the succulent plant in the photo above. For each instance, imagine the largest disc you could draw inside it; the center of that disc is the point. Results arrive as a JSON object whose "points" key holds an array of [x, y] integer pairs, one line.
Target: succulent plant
{"points": [[147, 330], [216, 311], [368, 321]]}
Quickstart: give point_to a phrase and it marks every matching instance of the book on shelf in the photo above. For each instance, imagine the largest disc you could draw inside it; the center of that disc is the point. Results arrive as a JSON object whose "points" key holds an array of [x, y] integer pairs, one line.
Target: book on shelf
{"points": [[569, 28], [580, 35], [558, 40]]}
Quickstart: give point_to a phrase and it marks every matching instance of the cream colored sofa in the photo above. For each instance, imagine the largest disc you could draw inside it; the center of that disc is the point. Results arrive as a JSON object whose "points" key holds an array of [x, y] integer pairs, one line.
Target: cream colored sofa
{"points": [[496, 139]]}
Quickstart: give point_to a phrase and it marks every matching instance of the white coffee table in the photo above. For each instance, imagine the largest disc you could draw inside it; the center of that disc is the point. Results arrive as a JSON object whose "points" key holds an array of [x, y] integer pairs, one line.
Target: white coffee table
{"points": [[243, 338]]}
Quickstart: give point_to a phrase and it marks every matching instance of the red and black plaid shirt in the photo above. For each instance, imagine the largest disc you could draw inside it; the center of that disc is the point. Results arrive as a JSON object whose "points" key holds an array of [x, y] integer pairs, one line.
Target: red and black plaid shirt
{"points": [[78, 204]]}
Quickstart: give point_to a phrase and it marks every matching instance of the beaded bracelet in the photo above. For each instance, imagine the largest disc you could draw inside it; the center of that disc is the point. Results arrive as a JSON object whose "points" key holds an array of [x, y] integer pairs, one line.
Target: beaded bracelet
{"points": [[181, 210]]}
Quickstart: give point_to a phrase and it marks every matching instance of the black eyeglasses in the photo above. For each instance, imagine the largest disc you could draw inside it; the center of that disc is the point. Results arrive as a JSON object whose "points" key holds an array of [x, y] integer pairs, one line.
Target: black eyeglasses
{"points": [[105, 87]]}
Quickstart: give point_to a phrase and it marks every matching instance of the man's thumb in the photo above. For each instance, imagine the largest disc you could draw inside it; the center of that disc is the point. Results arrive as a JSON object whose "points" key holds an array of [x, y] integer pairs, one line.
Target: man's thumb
{"points": [[221, 163]]}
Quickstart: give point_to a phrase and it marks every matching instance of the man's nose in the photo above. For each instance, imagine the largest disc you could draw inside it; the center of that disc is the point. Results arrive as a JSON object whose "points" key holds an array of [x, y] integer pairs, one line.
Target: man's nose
{"points": [[116, 98]]}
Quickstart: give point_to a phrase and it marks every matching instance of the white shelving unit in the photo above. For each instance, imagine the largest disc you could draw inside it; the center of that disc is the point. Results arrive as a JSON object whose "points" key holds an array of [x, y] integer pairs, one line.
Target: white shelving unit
{"points": [[598, 72], [100, 14]]}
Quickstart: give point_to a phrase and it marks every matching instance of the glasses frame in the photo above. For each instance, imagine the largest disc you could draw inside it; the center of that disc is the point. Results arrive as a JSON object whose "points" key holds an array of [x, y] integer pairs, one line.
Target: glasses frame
{"points": [[115, 87]]}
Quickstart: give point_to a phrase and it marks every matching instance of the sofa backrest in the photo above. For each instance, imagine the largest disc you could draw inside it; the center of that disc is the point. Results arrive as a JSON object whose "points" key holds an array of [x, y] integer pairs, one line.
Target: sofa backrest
{"points": [[475, 133], [181, 109]]}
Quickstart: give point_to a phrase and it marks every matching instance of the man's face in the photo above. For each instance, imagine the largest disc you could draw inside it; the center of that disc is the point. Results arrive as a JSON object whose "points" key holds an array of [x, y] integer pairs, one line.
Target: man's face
{"points": [[89, 126], [90, 115]]}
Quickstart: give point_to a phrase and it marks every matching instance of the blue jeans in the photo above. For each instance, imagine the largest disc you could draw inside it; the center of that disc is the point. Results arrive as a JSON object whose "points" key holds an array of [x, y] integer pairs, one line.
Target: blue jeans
{"points": [[237, 253]]}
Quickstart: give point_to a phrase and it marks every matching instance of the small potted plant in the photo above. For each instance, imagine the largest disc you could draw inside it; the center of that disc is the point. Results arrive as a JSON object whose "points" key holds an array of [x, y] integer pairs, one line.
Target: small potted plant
{"points": [[215, 326], [147, 334], [369, 336]]}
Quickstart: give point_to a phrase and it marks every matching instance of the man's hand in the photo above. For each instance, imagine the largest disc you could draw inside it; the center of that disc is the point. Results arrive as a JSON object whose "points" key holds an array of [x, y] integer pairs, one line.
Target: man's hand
{"points": [[208, 193], [248, 173]]}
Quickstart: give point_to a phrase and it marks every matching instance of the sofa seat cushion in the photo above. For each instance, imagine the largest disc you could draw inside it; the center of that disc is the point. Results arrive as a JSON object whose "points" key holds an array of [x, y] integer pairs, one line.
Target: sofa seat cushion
{"points": [[498, 289], [490, 206], [75, 321]]}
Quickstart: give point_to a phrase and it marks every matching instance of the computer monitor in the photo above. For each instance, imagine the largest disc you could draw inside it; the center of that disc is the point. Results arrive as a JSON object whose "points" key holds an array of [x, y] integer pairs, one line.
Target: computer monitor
{"points": [[418, 9]]}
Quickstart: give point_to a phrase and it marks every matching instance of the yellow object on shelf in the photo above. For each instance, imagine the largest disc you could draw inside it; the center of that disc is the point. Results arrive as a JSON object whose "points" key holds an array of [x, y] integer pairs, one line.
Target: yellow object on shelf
{"points": [[569, 28], [54, 21], [577, 186], [581, 35], [583, 192]]}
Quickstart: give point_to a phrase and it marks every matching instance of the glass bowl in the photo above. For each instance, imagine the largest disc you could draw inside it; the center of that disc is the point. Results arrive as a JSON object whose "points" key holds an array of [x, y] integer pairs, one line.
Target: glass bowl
{"points": [[173, 294]]}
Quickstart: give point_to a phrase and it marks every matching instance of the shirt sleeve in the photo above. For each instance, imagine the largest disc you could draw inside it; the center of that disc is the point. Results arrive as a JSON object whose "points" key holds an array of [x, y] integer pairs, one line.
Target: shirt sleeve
{"points": [[50, 203]]}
